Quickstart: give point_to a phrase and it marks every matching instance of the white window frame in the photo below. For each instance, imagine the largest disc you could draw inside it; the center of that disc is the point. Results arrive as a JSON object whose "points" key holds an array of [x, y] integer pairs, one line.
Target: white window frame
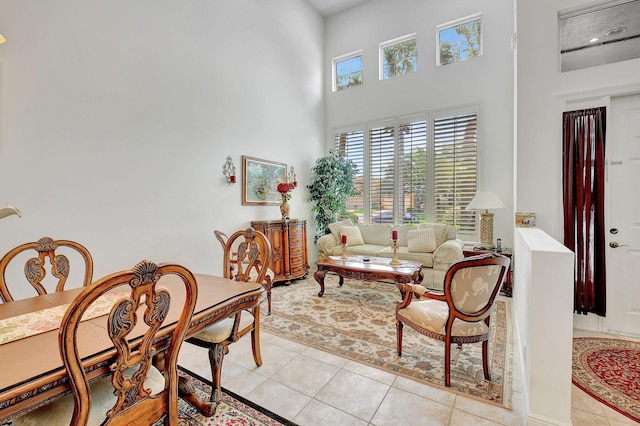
{"points": [[431, 117], [461, 21], [334, 64], [398, 40]]}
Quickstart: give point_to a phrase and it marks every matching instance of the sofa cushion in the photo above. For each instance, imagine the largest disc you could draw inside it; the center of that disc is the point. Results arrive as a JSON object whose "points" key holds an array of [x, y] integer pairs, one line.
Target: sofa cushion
{"points": [[354, 238], [403, 233], [376, 234], [335, 227], [440, 231], [422, 241], [405, 254]]}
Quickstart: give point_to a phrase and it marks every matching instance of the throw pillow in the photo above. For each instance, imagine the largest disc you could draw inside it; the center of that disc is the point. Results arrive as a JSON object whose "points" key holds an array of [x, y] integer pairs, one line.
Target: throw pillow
{"points": [[335, 227], [354, 237], [422, 241], [439, 230]]}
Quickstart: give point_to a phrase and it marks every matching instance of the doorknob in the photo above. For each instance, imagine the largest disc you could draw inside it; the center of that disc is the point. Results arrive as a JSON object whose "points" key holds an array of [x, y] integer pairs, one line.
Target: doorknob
{"points": [[614, 244], [613, 230]]}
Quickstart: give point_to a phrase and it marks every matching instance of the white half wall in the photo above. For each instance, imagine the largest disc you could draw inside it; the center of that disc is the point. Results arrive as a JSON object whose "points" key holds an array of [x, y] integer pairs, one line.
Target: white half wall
{"points": [[543, 297]]}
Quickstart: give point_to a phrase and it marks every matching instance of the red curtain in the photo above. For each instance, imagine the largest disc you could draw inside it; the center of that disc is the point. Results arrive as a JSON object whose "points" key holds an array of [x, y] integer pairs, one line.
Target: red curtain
{"points": [[583, 200]]}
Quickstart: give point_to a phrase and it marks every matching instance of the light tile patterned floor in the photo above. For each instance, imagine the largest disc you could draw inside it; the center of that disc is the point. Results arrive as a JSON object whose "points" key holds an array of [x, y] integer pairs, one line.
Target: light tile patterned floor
{"points": [[312, 387]]}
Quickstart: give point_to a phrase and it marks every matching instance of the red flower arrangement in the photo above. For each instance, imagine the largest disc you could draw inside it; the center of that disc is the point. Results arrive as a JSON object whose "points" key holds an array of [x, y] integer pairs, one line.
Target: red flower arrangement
{"points": [[285, 188]]}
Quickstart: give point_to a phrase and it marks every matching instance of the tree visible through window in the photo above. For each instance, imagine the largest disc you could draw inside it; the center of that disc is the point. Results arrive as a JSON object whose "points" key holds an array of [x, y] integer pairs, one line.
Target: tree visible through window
{"points": [[459, 41], [413, 175], [348, 72], [398, 57]]}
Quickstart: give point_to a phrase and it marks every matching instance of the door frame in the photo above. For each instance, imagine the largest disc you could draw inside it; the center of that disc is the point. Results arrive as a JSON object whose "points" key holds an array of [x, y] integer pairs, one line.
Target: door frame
{"points": [[582, 100]]}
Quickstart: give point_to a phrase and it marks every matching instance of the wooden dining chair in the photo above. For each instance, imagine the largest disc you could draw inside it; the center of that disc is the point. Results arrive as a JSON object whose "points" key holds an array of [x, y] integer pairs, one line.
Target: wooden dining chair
{"points": [[248, 249], [35, 267], [254, 271], [136, 393], [463, 313]]}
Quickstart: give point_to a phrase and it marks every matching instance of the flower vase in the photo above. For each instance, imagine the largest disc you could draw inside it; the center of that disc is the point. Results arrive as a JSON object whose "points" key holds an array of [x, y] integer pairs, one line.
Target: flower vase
{"points": [[285, 208]]}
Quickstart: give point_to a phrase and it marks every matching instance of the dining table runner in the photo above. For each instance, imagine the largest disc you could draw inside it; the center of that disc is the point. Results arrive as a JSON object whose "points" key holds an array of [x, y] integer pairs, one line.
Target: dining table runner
{"points": [[32, 323]]}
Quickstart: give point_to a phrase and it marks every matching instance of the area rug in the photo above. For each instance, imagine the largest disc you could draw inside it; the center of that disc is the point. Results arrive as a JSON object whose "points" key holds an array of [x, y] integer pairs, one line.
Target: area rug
{"points": [[234, 409], [609, 371], [357, 321]]}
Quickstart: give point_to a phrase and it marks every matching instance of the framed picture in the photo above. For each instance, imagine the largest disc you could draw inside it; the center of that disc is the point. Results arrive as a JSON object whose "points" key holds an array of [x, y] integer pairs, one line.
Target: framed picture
{"points": [[261, 178]]}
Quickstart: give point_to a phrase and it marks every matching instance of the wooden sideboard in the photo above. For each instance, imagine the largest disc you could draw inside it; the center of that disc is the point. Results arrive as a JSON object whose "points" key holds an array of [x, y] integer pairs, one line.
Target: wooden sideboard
{"points": [[288, 238]]}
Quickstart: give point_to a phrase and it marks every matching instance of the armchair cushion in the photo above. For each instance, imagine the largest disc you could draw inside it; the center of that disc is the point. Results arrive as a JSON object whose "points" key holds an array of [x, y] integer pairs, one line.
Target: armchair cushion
{"points": [[354, 237], [422, 241], [432, 315]]}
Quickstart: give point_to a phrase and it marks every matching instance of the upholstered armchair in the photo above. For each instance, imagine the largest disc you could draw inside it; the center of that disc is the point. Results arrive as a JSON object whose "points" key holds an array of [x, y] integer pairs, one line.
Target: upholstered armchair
{"points": [[462, 313]]}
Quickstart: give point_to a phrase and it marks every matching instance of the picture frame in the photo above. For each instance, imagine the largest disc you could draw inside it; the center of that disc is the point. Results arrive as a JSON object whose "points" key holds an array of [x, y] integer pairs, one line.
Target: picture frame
{"points": [[260, 181]]}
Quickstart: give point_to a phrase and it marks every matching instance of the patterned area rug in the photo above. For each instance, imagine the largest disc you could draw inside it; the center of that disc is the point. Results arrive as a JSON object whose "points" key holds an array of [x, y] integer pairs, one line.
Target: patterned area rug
{"points": [[609, 370], [357, 321], [234, 409]]}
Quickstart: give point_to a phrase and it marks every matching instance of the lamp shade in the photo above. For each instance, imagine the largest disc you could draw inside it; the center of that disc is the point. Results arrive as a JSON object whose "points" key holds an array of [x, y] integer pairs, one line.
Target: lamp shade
{"points": [[485, 200], [2, 39]]}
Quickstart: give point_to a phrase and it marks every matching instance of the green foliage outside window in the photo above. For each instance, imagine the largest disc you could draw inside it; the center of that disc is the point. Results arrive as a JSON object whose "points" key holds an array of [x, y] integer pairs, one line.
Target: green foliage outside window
{"points": [[399, 59], [460, 42]]}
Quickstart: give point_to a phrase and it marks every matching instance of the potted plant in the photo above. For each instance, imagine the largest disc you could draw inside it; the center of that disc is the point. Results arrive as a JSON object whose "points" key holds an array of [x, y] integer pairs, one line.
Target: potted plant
{"points": [[332, 183]]}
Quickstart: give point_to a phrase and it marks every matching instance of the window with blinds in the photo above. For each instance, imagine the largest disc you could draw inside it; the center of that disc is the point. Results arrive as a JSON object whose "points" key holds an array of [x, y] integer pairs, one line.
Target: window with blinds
{"points": [[415, 169], [350, 144], [455, 170]]}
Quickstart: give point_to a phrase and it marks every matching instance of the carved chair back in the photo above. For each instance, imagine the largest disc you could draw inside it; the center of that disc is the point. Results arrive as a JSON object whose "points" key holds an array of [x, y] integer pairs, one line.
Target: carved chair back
{"points": [[35, 268], [145, 304]]}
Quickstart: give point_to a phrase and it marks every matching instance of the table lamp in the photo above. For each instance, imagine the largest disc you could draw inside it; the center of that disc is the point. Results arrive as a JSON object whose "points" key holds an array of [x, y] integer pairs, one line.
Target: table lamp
{"points": [[485, 200]]}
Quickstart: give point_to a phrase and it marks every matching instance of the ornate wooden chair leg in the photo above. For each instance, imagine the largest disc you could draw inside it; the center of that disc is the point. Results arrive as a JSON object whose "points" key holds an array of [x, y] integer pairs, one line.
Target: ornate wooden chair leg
{"points": [[447, 363], [255, 338], [485, 359], [399, 326], [216, 356], [187, 391]]}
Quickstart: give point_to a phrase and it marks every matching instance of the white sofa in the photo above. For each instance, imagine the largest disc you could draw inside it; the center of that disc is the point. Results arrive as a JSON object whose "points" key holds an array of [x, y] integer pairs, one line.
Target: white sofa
{"points": [[436, 246]]}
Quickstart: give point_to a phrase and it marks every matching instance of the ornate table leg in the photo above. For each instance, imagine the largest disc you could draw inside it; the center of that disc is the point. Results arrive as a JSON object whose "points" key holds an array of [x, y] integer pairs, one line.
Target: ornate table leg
{"points": [[319, 276]]}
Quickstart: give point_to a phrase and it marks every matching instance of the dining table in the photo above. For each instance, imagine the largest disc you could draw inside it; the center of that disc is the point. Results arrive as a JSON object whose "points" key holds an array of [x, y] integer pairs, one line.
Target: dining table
{"points": [[31, 370]]}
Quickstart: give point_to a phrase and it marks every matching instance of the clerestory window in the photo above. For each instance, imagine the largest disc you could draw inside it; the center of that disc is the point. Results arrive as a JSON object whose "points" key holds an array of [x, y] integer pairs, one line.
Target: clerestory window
{"points": [[398, 57], [459, 40]]}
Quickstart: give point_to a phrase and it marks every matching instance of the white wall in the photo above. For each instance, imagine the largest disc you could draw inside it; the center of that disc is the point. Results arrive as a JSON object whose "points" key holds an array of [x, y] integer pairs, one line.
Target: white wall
{"points": [[486, 80], [540, 88], [545, 267], [116, 118]]}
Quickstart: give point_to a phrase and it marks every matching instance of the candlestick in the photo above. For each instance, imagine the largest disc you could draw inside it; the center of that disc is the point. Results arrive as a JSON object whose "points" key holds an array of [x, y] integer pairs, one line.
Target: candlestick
{"points": [[395, 261], [344, 247], [394, 235], [344, 239]]}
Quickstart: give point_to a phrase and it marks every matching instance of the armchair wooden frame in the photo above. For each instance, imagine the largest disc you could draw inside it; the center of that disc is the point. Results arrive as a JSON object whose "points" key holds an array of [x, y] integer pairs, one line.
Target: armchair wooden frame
{"points": [[34, 268], [458, 275]]}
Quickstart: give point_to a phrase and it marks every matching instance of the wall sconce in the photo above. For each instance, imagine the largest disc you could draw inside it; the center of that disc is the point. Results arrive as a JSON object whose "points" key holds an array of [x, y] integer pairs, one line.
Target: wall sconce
{"points": [[2, 39], [291, 177], [8, 210], [229, 171]]}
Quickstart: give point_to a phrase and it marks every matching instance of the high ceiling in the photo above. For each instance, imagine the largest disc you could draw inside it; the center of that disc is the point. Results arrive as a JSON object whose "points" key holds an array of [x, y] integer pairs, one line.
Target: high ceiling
{"points": [[330, 7]]}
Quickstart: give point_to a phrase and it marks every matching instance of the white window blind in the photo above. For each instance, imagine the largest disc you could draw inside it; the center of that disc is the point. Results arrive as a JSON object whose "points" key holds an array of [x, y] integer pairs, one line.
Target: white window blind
{"points": [[350, 144], [415, 169], [455, 169]]}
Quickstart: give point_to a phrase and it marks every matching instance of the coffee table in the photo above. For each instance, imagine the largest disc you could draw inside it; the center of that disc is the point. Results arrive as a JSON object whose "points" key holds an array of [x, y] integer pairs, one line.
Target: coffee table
{"points": [[367, 269]]}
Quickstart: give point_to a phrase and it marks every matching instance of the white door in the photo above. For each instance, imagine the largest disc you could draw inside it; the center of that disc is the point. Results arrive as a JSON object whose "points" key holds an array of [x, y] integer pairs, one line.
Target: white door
{"points": [[622, 220]]}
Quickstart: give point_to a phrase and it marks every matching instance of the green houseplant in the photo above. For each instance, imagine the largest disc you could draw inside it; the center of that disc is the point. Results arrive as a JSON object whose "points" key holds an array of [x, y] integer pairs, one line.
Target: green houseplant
{"points": [[332, 183]]}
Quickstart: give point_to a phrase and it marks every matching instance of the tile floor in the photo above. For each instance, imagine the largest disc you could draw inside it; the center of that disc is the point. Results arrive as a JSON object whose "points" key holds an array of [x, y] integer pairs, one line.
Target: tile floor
{"points": [[311, 387]]}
